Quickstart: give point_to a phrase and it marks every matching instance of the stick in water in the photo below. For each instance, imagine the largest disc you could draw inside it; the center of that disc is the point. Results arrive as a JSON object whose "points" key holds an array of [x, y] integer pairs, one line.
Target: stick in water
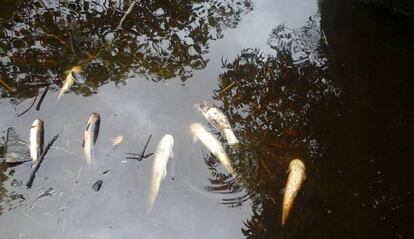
{"points": [[24, 112], [126, 14], [33, 174], [42, 98], [142, 155]]}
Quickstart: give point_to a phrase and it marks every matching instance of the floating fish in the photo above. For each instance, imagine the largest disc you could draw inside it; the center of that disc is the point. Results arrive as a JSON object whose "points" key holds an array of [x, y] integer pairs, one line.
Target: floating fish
{"points": [[16, 149], [117, 141], [219, 120], [36, 141], [90, 135], [215, 147], [294, 182], [73, 75], [159, 167]]}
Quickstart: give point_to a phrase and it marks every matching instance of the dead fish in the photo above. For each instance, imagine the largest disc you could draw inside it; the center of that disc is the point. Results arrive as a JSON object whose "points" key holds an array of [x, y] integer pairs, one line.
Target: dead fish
{"points": [[97, 185], [294, 182], [159, 167], [215, 147], [219, 120], [16, 149], [117, 141], [73, 75], [36, 141], [90, 135]]}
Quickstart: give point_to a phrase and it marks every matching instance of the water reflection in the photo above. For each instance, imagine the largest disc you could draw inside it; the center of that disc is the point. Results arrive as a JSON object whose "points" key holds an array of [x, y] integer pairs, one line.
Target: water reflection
{"points": [[160, 39], [270, 100]]}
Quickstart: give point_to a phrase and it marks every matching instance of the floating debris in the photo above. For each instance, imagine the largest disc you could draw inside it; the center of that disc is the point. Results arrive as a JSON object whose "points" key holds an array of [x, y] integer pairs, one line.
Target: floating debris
{"points": [[16, 183], [142, 155], [42, 97], [117, 141], [12, 172], [5, 85], [47, 193], [33, 174], [294, 182], [90, 135], [97, 185], [16, 149], [124, 17]]}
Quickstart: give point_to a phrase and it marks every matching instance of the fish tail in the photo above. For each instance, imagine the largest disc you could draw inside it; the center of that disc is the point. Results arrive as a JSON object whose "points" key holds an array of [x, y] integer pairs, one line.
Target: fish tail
{"points": [[287, 205], [88, 155], [231, 138], [60, 95], [155, 187]]}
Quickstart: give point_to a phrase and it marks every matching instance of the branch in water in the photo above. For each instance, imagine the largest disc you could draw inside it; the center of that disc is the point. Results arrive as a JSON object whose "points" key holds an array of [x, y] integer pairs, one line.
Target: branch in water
{"points": [[33, 174], [142, 155], [42, 98], [126, 14], [5, 85], [24, 112]]}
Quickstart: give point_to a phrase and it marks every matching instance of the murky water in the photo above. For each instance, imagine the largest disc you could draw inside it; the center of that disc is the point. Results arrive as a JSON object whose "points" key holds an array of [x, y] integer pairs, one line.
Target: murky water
{"points": [[327, 82]]}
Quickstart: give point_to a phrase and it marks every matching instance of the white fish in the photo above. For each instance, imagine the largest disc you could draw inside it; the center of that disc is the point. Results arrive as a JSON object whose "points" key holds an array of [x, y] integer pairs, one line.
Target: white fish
{"points": [[294, 183], [117, 141], [36, 141], [70, 80], [210, 142], [219, 120], [159, 167], [90, 135]]}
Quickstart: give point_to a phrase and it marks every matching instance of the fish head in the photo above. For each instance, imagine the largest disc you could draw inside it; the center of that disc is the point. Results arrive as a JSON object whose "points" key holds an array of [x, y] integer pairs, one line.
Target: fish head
{"points": [[297, 164], [94, 116], [203, 106], [195, 127], [168, 142], [37, 123], [77, 74]]}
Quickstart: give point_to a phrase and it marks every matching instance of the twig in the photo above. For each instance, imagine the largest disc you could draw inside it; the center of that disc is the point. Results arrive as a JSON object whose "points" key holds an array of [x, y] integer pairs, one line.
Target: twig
{"points": [[126, 14], [59, 39], [42, 98], [227, 87], [5, 85], [33, 174], [142, 155], [24, 112]]}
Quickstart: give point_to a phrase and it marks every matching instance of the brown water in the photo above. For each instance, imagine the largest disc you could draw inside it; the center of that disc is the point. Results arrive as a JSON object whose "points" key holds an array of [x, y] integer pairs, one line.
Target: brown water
{"points": [[327, 82]]}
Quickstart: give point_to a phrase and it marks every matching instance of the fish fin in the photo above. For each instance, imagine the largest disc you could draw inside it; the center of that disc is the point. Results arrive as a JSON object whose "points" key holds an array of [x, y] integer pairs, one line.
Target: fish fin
{"points": [[83, 143], [282, 191], [87, 126], [172, 154], [288, 171]]}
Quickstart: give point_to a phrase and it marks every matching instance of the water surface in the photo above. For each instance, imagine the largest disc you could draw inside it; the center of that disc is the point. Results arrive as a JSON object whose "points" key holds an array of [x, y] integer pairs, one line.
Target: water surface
{"points": [[326, 82]]}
